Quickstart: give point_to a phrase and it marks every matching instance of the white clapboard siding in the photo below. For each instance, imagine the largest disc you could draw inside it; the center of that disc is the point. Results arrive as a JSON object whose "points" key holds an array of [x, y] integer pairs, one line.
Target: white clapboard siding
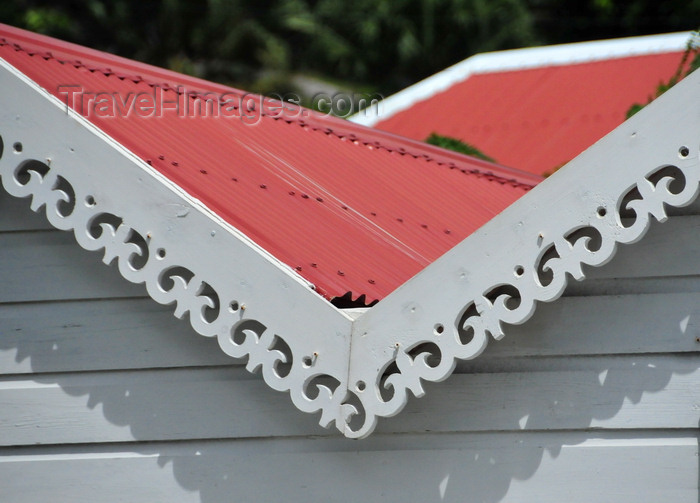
{"points": [[691, 209], [100, 335], [570, 467], [146, 406], [15, 215], [633, 286], [606, 324], [138, 333], [106, 397], [668, 249], [618, 393], [63, 270]]}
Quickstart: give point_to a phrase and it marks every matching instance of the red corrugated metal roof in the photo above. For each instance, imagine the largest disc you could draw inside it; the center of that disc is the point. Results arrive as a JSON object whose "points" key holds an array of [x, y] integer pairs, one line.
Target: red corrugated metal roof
{"points": [[537, 119], [350, 208]]}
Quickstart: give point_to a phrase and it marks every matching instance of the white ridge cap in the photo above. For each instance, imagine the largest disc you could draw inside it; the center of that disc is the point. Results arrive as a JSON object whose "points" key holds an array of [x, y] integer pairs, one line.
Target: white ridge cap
{"points": [[518, 59]]}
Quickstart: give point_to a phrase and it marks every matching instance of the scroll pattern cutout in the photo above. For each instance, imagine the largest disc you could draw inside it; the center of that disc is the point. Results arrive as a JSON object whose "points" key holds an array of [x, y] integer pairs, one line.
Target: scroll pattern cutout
{"points": [[140, 259], [513, 300], [354, 408]]}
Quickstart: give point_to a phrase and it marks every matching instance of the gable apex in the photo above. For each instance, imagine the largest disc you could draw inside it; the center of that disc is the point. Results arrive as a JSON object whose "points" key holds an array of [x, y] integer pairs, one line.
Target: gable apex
{"points": [[261, 310]]}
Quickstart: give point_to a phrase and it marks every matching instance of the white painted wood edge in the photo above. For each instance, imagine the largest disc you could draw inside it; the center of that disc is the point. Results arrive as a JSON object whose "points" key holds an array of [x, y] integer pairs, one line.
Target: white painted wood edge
{"points": [[233, 290], [527, 254], [519, 59], [340, 366]]}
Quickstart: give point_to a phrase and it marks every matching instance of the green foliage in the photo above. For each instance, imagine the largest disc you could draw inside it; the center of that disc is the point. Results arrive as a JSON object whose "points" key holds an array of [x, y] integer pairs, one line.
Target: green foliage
{"points": [[387, 44], [457, 146], [394, 43], [685, 67], [380, 45], [48, 20], [560, 22]]}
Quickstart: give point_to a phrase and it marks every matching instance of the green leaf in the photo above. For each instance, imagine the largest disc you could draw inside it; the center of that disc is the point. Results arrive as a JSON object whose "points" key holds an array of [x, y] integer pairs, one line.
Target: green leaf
{"points": [[456, 145]]}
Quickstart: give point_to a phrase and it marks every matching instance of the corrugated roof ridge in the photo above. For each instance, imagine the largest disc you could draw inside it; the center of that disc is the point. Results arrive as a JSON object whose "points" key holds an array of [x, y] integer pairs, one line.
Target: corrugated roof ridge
{"points": [[526, 58], [441, 157]]}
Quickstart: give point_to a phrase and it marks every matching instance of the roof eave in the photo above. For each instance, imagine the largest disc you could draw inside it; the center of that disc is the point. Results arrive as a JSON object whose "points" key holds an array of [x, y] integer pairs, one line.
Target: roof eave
{"points": [[255, 306], [528, 253], [261, 310], [519, 59]]}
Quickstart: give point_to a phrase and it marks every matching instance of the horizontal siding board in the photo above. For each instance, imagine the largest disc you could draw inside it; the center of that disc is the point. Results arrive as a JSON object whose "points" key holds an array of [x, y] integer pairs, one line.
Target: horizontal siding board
{"points": [[626, 393], [146, 406], [546, 468], [634, 392], [15, 215], [597, 325], [51, 266], [112, 478], [633, 286], [691, 209], [668, 249], [139, 333], [99, 335], [583, 401]]}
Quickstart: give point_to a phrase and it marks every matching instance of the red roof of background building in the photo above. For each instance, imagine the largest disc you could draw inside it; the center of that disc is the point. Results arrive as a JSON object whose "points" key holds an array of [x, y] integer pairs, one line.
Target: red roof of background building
{"points": [[537, 119], [352, 209]]}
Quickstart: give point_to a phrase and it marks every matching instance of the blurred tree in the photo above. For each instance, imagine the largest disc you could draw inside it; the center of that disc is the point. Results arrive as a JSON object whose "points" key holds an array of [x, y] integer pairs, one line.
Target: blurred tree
{"points": [[457, 145], [372, 45], [556, 21], [386, 43], [393, 43], [688, 64]]}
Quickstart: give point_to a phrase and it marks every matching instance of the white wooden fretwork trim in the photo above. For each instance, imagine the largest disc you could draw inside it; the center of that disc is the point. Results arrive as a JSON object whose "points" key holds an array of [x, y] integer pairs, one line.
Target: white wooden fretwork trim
{"points": [[528, 253], [257, 308], [352, 371]]}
